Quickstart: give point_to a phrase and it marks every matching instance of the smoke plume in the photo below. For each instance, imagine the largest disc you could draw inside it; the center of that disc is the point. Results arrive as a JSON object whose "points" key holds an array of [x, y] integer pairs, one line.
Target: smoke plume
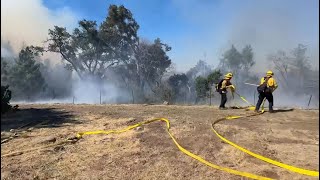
{"points": [[27, 23], [268, 26]]}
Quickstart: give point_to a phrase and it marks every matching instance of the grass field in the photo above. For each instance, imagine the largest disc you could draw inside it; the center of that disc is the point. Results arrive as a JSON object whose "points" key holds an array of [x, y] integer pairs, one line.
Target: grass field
{"points": [[148, 152]]}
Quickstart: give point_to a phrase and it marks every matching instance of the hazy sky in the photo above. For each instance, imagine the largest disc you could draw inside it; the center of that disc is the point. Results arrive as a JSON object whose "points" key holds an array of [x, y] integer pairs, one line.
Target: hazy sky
{"points": [[193, 28]]}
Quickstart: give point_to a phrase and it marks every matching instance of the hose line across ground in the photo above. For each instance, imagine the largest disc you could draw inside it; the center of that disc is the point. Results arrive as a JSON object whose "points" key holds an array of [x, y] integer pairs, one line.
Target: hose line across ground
{"points": [[260, 157], [245, 174], [285, 166], [235, 172]]}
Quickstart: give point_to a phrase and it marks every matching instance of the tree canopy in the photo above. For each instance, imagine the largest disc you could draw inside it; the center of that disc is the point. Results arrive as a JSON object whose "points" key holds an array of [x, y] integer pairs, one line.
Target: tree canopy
{"points": [[90, 50], [25, 79]]}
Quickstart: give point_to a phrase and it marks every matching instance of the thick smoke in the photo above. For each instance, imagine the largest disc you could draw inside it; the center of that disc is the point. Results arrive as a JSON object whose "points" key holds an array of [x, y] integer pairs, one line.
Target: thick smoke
{"points": [[268, 26], [84, 92], [281, 99], [94, 92], [27, 22], [6, 49]]}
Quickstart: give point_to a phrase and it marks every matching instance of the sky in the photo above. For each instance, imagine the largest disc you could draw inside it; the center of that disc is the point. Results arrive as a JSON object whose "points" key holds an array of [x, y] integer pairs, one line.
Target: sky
{"points": [[195, 29]]}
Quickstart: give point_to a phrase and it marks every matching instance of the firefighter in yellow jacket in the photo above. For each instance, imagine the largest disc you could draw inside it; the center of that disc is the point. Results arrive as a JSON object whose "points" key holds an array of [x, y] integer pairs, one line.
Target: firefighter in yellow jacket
{"points": [[267, 85], [222, 89]]}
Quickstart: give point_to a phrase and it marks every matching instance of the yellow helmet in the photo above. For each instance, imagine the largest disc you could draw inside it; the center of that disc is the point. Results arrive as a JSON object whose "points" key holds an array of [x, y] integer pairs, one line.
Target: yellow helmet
{"points": [[269, 73], [228, 75]]}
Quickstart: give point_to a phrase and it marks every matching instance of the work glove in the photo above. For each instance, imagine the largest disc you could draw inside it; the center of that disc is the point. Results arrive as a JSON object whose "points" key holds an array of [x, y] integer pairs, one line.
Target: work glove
{"points": [[232, 88]]}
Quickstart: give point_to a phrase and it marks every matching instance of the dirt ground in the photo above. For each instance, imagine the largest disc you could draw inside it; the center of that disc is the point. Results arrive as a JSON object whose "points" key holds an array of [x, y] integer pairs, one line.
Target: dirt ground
{"points": [[291, 137]]}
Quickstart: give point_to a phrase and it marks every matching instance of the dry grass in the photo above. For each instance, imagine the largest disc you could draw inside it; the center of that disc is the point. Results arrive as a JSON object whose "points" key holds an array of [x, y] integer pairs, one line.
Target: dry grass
{"points": [[149, 153]]}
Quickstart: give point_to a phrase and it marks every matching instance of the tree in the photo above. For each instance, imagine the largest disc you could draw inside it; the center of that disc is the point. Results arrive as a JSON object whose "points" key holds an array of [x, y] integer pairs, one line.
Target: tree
{"points": [[202, 87], [239, 64], [119, 30], [200, 69], [165, 92], [90, 50], [145, 72], [214, 77], [300, 63], [281, 63], [5, 71], [300, 60], [247, 58], [231, 60], [152, 61], [235, 61], [293, 69], [25, 78], [179, 85]]}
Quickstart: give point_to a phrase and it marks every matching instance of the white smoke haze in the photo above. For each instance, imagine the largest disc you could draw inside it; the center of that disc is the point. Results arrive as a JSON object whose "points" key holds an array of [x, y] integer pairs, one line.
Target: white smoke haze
{"points": [[268, 26], [6, 53], [27, 22], [6, 49], [88, 91], [281, 100]]}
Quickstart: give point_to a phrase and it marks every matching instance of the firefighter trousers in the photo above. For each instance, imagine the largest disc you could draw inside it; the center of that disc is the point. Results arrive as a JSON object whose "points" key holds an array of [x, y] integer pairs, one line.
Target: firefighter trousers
{"points": [[223, 100], [269, 97]]}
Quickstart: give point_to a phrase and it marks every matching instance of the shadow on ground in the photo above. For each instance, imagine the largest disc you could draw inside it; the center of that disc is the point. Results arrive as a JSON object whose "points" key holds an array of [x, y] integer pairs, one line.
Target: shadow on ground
{"points": [[36, 118], [282, 110]]}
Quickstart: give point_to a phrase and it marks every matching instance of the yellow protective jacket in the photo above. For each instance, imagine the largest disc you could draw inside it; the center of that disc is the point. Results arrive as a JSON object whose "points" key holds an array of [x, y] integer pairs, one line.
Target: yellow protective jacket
{"points": [[272, 84], [226, 84]]}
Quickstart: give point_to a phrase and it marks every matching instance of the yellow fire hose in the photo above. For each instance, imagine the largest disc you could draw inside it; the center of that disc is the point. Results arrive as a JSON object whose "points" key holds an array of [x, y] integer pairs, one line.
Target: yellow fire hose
{"points": [[80, 135], [243, 98], [285, 166], [245, 174], [282, 165], [240, 173], [251, 106], [235, 172]]}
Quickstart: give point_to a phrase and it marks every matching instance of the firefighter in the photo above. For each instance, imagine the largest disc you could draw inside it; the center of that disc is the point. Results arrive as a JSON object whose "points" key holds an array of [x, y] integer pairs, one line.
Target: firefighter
{"points": [[222, 89], [267, 85]]}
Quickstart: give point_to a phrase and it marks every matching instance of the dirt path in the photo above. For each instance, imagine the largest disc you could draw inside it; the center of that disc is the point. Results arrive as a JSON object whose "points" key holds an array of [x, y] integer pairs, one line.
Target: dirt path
{"points": [[148, 152]]}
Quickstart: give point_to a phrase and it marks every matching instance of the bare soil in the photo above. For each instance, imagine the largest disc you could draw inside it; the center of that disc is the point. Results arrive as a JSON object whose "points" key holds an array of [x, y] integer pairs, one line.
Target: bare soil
{"points": [[291, 137]]}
